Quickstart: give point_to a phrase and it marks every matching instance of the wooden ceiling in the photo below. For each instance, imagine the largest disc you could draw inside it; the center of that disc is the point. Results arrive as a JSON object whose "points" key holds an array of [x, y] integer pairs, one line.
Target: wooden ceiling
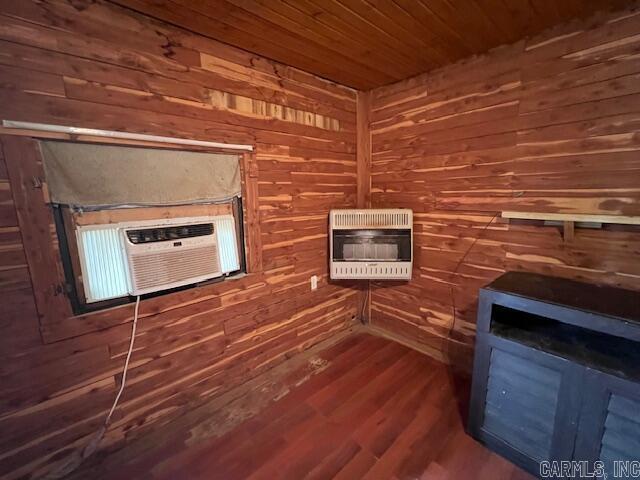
{"points": [[368, 43]]}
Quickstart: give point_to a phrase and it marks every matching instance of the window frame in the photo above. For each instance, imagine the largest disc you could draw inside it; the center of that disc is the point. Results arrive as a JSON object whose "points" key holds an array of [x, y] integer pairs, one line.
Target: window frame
{"points": [[42, 250]]}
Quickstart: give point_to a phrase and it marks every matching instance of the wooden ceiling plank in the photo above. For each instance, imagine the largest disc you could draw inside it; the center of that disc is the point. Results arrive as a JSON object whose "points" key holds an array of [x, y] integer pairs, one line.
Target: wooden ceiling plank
{"points": [[498, 16], [374, 15], [362, 57], [431, 8], [260, 33], [182, 15], [326, 35], [329, 14], [521, 15], [546, 11], [471, 13], [448, 35], [415, 29], [359, 43], [306, 34], [375, 34], [568, 9], [454, 14]]}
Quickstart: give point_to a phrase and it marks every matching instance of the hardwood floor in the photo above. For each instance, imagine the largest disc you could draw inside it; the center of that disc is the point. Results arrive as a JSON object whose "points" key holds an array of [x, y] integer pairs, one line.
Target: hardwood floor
{"points": [[381, 411], [378, 410]]}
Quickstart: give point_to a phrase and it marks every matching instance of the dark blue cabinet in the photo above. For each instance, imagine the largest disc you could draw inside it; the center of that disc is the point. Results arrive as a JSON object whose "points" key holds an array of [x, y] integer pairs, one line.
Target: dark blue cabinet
{"points": [[557, 373], [610, 428]]}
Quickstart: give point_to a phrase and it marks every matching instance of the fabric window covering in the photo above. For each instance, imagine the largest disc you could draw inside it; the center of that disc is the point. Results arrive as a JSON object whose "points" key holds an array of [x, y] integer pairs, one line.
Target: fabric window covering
{"points": [[90, 175]]}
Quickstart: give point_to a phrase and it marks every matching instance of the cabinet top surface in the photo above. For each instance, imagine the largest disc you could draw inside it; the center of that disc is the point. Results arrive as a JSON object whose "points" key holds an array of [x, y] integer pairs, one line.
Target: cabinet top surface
{"points": [[601, 300]]}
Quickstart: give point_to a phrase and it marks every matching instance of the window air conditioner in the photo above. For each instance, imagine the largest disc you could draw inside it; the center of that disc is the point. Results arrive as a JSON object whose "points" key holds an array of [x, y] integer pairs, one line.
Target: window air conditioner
{"points": [[135, 258], [375, 244]]}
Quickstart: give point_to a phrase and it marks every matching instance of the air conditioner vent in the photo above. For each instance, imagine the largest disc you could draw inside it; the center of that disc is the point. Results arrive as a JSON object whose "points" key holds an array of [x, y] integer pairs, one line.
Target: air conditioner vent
{"points": [[161, 234], [147, 256], [172, 267], [172, 253]]}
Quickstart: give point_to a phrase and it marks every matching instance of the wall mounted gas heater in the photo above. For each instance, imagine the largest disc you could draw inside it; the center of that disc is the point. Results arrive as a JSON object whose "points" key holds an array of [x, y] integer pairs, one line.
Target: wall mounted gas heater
{"points": [[372, 244]]}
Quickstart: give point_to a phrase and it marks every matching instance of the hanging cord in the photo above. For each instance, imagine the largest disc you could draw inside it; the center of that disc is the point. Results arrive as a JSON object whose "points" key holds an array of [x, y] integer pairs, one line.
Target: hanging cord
{"points": [[364, 306], [79, 455], [453, 300]]}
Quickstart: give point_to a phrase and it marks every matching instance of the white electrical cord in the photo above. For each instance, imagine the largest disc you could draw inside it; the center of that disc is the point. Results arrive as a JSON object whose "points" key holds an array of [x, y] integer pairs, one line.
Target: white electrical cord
{"points": [[126, 363], [79, 455]]}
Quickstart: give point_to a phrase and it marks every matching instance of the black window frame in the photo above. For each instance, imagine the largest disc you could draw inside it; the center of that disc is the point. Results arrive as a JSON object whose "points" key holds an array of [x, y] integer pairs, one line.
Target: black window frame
{"points": [[76, 297]]}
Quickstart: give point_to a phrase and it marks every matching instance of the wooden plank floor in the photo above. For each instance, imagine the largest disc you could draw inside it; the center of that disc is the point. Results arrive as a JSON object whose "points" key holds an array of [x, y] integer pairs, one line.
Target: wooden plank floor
{"points": [[379, 411]]}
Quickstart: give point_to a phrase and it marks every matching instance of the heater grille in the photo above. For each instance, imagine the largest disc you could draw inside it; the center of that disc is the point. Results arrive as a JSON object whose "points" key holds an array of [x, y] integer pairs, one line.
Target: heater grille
{"points": [[381, 271], [387, 218], [371, 252]]}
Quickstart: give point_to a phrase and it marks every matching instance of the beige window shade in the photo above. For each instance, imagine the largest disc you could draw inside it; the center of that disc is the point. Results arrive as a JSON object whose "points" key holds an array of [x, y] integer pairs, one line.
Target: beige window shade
{"points": [[88, 175]]}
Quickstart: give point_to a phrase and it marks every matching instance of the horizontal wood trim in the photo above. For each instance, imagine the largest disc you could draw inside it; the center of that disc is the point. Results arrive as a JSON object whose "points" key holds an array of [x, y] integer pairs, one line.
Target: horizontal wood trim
{"points": [[126, 136], [119, 215], [21, 132]]}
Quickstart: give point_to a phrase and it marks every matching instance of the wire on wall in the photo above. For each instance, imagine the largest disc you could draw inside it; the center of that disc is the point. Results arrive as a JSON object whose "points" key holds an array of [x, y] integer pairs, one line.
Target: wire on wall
{"points": [[364, 319], [79, 455], [455, 270]]}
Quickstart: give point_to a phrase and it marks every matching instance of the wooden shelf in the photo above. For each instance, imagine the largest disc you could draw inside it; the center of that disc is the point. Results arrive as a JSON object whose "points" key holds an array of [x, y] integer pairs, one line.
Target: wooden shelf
{"points": [[568, 220], [573, 217]]}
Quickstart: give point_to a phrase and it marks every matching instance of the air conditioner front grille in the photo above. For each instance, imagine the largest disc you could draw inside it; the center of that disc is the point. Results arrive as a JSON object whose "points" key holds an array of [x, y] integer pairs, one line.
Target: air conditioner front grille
{"points": [[172, 267], [161, 234]]}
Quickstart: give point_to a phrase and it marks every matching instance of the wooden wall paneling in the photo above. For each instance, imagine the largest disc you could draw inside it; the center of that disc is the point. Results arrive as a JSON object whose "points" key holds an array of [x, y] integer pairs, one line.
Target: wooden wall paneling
{"points": [[546, 125], [15, 283], [24, 165], [250, 205], [244, 74], [7, 210], [107, 67], [11, 251]]}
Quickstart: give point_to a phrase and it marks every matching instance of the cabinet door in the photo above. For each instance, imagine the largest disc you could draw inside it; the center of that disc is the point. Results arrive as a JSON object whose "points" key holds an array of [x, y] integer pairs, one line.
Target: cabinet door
{"points": [[525, 403], [609, 425]]}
